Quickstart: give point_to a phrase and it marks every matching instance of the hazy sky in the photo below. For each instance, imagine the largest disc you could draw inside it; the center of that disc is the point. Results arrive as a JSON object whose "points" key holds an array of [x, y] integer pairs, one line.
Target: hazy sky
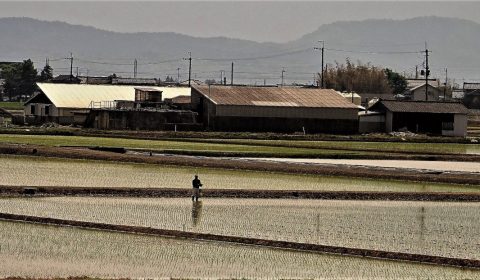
{"points": [[259, 21]]}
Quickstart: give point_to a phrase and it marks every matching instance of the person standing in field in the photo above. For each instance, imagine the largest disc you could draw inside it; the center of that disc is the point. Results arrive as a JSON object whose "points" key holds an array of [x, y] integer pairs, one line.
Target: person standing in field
{"points": [[196, 184]]}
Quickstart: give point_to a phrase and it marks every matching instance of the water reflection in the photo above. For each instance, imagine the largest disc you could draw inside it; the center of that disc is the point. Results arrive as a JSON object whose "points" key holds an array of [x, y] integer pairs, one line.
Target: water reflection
{"points": [[422, 223], [196, 212]]}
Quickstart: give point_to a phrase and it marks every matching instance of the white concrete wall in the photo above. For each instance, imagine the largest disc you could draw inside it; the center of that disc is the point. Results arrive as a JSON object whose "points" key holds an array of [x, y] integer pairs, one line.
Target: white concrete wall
{"points": [[40, 110], [419, 94], [460, 125]]}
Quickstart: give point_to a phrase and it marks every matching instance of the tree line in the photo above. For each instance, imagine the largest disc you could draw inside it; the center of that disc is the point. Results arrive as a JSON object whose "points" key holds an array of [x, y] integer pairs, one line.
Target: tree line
{"points": [[363, 78], [20, 78]]}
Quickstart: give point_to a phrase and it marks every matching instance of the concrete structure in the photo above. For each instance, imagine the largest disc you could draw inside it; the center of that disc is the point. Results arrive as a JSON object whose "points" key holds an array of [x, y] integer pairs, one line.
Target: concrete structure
{"points": [[418, 93], [275, 109], [352, 97], [441, 118], [366, 97], [412, 83], [369, 121], [58, 102], [142, 119]]}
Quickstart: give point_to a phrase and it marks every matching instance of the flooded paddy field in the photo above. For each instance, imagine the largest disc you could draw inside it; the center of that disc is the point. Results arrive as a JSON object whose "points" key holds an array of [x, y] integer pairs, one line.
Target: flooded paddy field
{"points": [[35, 171], [431, 228], [30, 250]]}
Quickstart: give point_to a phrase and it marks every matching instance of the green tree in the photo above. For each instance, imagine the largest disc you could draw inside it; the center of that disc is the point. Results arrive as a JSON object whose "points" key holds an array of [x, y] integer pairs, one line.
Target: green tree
{"points": [[20, 79], [397, 82], [47, 74]]}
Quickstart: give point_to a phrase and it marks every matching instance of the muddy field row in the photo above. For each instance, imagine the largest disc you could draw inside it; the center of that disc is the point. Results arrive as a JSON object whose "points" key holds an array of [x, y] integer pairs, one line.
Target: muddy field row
{"points": [[432, 228], [27, 249]]}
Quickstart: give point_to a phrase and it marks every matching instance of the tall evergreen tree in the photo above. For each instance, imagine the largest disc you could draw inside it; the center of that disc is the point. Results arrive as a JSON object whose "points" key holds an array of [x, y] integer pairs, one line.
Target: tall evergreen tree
{"points": [[47, 74]]}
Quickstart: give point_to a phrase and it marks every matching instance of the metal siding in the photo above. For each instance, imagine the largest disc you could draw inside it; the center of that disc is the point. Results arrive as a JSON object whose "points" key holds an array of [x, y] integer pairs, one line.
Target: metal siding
{"points": [[80, 95], [286, 112], [274, 96]]}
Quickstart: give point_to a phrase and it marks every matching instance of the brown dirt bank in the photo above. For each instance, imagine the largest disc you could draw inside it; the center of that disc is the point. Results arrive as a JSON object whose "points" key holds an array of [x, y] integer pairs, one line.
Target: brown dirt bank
{"points": [[328, 170], [16, 191], [457, 262]]}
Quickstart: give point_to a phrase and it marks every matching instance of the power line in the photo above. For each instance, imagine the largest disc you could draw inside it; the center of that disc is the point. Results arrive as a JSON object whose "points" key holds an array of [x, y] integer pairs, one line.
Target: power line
{"points": [[374, 52], [255, 58]]}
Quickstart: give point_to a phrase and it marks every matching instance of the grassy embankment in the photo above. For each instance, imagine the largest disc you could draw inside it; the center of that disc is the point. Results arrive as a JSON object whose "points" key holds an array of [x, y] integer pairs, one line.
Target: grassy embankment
{"points": [[252, 147], [11, 105]]}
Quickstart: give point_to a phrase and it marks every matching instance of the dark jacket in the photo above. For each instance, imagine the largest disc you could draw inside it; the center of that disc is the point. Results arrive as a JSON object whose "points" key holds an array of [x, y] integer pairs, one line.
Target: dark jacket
{"points": [[196, 183]]}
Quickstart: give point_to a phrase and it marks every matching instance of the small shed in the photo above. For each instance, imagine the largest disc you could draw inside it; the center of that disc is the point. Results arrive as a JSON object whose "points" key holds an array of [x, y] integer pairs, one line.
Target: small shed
{"points": [[440, 118]]}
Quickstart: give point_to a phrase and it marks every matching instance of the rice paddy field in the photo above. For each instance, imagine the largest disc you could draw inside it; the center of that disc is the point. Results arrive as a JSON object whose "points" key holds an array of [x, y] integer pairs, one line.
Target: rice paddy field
{"points": [[28, 249], [165, 145], [249, 146], [434, 148], [36, 171], [432, 228]]}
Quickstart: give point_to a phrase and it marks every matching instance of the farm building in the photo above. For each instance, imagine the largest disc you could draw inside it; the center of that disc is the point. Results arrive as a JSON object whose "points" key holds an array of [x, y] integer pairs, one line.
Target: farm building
{"points": [[441, 118], [274, 109], [418, 93], [59, 102]]}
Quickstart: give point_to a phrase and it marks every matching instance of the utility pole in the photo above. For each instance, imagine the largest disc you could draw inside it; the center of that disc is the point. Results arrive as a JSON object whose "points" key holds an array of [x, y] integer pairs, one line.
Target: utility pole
{"points": [[416, 71], [222, 73], [178, 75], [322, 72], [189, 67], [283, 71], [427, 72], [231, 78], [71, 66], [135, 65], [445, 88]]}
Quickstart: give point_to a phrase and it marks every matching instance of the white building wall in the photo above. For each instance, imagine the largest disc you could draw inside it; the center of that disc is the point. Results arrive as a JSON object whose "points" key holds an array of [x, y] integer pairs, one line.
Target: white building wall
{"points": [[460, 125]]}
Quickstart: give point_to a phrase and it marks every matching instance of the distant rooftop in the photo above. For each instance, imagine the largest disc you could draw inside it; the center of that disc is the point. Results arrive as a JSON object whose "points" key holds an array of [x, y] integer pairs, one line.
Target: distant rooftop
{"points": [[421, 107], [274, 96]]}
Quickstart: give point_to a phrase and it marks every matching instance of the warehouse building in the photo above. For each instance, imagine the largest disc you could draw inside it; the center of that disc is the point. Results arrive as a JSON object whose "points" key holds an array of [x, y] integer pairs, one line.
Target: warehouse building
{"points": [[274, 109], [61, 103], [438, 118]]}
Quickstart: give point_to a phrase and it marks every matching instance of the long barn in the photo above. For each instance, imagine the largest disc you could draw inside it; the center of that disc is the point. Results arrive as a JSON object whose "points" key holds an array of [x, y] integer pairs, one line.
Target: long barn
{"points": [[274, 109]]}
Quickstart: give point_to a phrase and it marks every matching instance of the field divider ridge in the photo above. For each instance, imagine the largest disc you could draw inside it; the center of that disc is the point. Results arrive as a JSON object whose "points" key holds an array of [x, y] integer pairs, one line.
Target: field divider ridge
{"points": [[368, 253], [22, 191]]}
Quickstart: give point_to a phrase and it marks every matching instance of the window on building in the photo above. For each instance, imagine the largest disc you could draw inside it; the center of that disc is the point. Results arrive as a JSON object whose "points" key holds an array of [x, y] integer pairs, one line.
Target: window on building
{"points": [[47, 110], [447, 125], [32, 109]]}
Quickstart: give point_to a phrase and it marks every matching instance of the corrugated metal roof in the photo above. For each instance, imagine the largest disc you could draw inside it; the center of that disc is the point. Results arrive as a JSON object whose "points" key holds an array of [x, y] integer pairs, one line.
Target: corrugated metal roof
{"points": [[424, 107], [80, 95], [274, 96]]}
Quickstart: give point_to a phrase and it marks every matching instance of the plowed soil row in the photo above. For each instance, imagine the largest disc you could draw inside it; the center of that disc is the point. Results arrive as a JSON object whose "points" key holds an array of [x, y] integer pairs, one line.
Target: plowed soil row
{"points": [[345, 171], [470, 263], [240, 193]]}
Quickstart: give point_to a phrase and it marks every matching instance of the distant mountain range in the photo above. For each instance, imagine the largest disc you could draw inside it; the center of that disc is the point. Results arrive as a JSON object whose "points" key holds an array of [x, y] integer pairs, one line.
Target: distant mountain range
{"points": [[454, 44]]}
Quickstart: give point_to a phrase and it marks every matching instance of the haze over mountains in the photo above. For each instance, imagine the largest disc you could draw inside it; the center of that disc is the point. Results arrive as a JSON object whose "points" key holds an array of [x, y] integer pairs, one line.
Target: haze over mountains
{"points": [[394, 44]]}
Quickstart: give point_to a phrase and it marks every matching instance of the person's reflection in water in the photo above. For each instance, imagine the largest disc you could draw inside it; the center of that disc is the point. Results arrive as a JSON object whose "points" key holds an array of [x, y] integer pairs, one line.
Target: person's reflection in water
{"points": [[196, 212]]}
